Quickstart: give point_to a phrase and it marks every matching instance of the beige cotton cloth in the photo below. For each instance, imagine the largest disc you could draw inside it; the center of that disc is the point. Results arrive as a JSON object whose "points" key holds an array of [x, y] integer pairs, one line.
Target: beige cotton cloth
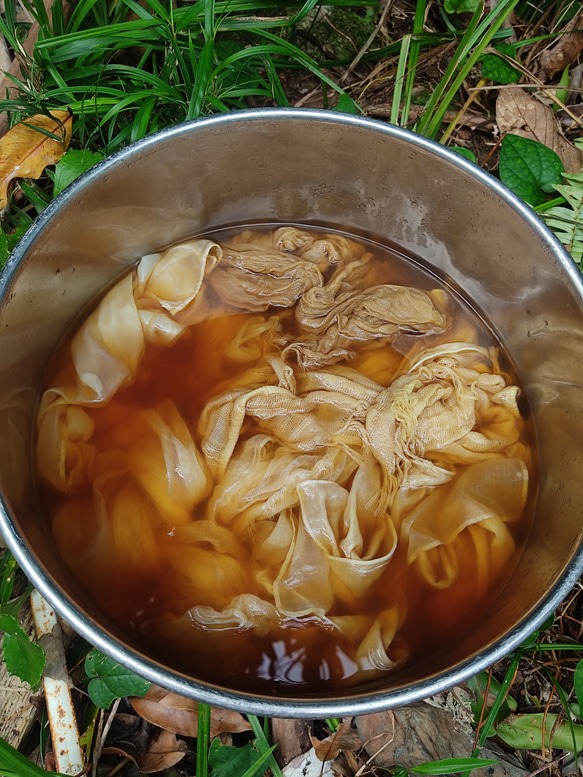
{"points": [[289, 495]]}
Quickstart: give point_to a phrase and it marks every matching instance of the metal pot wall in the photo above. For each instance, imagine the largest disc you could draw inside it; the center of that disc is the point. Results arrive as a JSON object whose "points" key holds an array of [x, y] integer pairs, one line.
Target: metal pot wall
{"points": [[330, 170]]}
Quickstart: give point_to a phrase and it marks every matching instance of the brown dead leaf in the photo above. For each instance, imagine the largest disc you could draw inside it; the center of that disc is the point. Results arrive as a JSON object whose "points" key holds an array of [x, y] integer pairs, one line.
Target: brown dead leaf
{"points": [[522, 114], [344, 739], [180, 715], [164, 752], [25, 152], [566, 50]]}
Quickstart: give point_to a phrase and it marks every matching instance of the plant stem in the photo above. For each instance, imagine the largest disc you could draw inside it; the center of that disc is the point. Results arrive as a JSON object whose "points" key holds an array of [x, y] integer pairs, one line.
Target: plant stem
{"points": [[203, 740]]}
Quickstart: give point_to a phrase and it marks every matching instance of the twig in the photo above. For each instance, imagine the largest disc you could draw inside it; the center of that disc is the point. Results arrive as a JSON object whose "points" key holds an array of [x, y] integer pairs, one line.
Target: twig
{"points": [[472, 96], [14, 714], [543, 729], [306, 97], [548, 766], [380, 750], [483, 709], [99, 744], [371, 759], [368, 42]]}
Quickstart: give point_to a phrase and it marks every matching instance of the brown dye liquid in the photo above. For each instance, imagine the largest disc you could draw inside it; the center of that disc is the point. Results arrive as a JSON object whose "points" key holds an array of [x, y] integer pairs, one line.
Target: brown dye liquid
{"points": [[301, 653]]}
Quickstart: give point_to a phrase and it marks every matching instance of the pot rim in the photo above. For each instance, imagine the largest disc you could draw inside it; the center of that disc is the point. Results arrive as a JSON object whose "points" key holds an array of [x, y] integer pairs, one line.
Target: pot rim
{"points": [[282, 706]]}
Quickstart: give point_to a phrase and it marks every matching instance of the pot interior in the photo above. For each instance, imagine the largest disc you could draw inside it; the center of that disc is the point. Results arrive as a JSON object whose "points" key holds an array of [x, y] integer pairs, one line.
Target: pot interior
{"points": [[331, 171]]}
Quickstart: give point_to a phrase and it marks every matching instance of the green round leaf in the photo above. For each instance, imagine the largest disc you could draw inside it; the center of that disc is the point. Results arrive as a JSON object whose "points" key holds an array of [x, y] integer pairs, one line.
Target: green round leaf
{"points": [[465, 152], [110, 680], [23, 658], [460, 6], [71, 165], [529, 168], [346, 104], [499, 70]]}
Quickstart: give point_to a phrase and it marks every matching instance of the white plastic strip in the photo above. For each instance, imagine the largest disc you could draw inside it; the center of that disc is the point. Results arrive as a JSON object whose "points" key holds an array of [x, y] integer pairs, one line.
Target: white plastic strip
{"points": [[57, 687]]}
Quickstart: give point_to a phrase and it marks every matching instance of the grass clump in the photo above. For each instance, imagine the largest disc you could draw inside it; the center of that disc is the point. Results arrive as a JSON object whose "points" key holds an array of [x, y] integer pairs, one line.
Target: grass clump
{"points": [[128, 69]]}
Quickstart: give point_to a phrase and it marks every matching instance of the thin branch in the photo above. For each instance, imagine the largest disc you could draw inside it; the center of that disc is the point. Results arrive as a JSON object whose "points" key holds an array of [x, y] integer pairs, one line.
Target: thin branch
{"points": [[368, 42]]}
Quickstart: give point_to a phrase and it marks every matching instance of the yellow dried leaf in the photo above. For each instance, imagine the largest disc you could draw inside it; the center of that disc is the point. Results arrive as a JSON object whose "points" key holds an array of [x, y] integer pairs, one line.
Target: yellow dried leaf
{"points": [[25, 152], [520, 113]]}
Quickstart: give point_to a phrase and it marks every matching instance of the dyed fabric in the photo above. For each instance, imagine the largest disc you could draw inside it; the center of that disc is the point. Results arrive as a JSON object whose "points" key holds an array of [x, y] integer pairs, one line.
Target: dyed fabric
{"points": [[318, 463]]}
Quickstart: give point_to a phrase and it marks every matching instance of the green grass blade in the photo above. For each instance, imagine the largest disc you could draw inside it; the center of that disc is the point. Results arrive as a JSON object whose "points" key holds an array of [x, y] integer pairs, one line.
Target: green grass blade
{"points": [[209, 20], [485, 37], [159, 11], [185, 73], [437, 96], [400, 75], [476, 38], [56, 75], [58, 17], [130, 101], [99, 40], [263, 744], [307, 7], [14, 763], [451, 766], [9, 33], [234, 24], [80, 13], [8, 567], [142, 79], [488, 724], [277, 91], [415, 49], [185, 17], [293, 52], [139, 10], [261, 761], [39, 13], [202, 79], [10, 14], [217, 104], [142, 120]]}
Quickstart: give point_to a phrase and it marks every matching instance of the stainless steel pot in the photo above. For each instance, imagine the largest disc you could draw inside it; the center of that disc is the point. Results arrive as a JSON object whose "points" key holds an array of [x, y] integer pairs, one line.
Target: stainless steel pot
{"points": [[330, 170]]}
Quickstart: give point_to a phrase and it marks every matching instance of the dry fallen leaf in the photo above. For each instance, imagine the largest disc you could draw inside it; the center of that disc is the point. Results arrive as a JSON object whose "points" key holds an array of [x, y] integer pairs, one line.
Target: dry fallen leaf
{"points": [[522, 114], [180, 715], [163, 752], [25, 152], [344, 739], [566, 50]]}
